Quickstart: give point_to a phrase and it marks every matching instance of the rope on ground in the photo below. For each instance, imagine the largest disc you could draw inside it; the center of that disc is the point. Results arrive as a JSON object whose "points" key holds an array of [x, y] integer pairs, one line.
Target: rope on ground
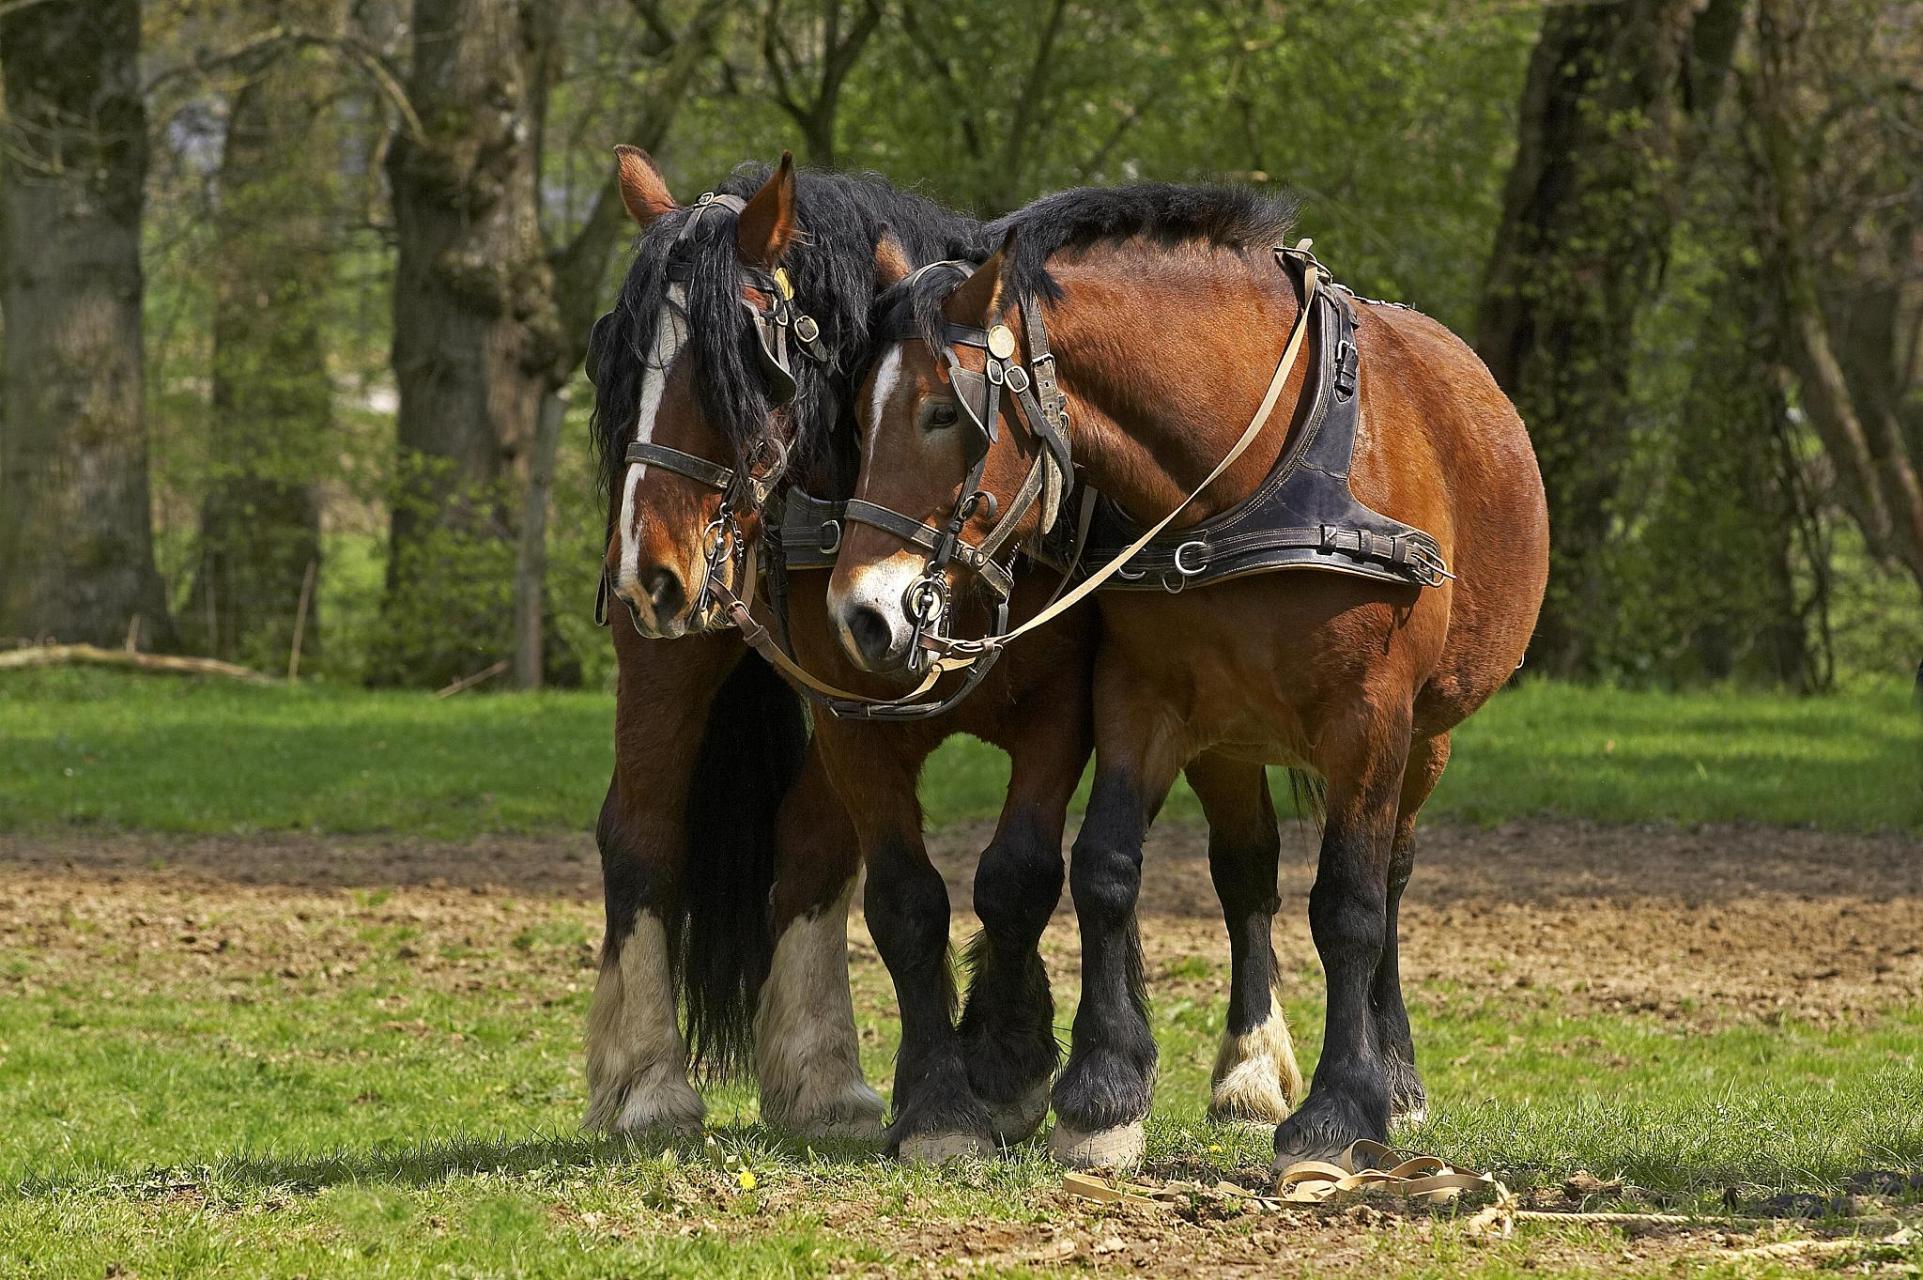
{"points": [[1372, 1169]]}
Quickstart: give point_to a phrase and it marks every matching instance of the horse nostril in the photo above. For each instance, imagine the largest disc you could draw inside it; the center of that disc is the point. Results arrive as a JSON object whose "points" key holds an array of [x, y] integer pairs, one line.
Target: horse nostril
{"points": [[870, 632], [665, 592]]}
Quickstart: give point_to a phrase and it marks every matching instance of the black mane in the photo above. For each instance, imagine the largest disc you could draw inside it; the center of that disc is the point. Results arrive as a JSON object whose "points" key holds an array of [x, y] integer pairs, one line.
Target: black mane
{"points": [[1168, 213], [832, 265]]}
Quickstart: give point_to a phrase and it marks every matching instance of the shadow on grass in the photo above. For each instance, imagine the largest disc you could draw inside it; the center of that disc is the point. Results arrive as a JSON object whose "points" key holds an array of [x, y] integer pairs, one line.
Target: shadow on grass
{"points": [[432, 1162]]}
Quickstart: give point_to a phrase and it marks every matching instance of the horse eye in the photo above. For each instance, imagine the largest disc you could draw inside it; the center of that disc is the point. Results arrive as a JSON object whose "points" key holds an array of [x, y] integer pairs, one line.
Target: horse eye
{"points": [[942, 415]]}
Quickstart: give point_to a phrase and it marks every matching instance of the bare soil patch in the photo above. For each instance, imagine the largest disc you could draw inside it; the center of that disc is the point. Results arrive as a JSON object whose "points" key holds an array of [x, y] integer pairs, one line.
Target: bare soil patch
{"points": [[1702, 924]]}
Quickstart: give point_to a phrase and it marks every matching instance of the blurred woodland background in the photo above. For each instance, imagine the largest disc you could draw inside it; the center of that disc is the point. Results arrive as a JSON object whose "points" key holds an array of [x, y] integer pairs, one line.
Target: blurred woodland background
{"points": [[294, 293]]}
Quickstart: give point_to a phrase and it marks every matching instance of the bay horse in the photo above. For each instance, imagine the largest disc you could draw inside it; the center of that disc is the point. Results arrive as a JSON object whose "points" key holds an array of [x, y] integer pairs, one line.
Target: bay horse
{"points": [[693, 383], [1164, 309]]}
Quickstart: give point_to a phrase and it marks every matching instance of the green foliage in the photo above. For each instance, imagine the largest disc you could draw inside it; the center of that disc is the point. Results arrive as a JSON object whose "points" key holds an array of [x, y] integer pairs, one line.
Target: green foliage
{"points": [[89, 748], [1395, 122]]}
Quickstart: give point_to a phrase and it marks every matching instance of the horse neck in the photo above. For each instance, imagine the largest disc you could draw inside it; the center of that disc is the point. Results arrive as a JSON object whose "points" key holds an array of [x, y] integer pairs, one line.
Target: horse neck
{"points": [[1165, 356]]}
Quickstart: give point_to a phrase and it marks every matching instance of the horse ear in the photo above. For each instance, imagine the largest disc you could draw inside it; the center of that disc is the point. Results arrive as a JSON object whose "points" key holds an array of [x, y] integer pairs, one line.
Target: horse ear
{"points": [[643, 190], [891, 262], [767, 225], [979, 300]]}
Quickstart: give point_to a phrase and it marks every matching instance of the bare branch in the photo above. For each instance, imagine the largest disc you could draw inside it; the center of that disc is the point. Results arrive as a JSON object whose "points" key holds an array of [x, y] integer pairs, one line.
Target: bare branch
{"points": [[934, 54], [254, 54]]}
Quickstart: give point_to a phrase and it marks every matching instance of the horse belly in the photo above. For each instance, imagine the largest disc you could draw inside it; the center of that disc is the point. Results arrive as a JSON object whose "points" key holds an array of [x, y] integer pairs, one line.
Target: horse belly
{"points": [[1254, 667]]}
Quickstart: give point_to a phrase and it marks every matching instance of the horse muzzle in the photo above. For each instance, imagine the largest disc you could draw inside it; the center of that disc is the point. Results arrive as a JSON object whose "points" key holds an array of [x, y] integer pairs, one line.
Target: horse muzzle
{"points": [[871, 619], [657, 601]]}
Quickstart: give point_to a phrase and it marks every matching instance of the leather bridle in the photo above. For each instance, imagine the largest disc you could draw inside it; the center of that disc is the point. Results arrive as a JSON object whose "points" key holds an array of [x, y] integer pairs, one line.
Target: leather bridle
{"points": [[780, 328], [1032, 389]]}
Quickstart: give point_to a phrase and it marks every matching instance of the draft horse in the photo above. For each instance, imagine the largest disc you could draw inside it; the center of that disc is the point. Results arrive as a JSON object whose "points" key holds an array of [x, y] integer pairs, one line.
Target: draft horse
{"points": [[724, 378], [1397, 487]]}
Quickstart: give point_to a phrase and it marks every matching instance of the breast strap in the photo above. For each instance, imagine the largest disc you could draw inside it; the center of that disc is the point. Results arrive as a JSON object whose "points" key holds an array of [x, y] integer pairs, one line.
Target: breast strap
{"points": [[1303, 514]]}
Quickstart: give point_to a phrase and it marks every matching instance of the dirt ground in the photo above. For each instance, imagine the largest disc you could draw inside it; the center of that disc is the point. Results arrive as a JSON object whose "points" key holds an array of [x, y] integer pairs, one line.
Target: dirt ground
{"points": [[1710, 923]]}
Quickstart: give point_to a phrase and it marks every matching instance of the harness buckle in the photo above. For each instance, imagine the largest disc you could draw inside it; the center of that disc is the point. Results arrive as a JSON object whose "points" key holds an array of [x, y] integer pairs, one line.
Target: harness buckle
{"points": [[1200, 549], [1346, 368]]}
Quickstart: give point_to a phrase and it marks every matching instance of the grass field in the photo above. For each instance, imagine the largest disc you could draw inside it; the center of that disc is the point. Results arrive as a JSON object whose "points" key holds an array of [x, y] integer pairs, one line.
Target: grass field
{"points": [[292, 984], [254, 1057], [99, 749]]}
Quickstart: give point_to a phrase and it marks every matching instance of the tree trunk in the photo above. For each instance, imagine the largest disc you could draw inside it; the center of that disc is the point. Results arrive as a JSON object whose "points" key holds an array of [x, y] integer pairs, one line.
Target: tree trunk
{"points": [[477, 344], [76, 539], [489, 325], [1586, 220], [1846, 280], [531, 559], [272, 402]]}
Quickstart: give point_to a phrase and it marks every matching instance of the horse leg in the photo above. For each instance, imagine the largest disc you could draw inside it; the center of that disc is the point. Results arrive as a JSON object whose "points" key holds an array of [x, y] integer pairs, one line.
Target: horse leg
{"points": [[1408, 1101], [937, 1115], [1364, 755], [1008, 1024], [1255, 1078], [1103, 1094], [636, 1057], [806, 1052]]}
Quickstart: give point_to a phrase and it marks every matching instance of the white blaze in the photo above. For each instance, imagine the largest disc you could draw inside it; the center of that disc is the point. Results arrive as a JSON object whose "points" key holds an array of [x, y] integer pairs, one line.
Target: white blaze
{"points": [[885, 379], [670, 335]]}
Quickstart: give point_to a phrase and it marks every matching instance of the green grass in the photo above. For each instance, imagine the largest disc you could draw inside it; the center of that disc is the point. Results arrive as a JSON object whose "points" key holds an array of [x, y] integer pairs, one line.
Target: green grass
{"points": [[84, 747], [370, 1123]]}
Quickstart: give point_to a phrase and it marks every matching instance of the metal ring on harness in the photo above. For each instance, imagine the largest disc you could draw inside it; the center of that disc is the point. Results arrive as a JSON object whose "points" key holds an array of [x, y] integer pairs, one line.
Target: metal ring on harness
{"points": [[1201, 549], [926, 599]]}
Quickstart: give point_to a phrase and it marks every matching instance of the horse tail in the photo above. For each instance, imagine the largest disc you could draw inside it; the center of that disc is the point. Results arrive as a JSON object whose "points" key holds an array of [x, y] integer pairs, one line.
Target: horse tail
{"points": [[1309, 792], [751, 754]]}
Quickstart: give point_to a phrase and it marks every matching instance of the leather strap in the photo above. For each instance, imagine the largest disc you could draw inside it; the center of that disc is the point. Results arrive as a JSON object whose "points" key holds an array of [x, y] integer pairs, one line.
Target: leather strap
{"points": [[1371, 1166], [698, 469], [846, 703], [928, 538]]}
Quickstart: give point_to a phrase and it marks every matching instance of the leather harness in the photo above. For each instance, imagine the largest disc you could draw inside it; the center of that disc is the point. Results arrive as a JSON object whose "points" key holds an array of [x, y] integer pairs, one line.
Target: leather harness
{"points": [[753, 484], [1302, 515]]}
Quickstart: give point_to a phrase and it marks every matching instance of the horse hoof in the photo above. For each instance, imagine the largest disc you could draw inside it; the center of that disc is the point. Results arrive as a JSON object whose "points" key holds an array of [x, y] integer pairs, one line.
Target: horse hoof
{"points": [[855, 1128], [1118, 1148], [643, 1121], [942, 1148], [1319, 1130], [1017, 1121]]}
